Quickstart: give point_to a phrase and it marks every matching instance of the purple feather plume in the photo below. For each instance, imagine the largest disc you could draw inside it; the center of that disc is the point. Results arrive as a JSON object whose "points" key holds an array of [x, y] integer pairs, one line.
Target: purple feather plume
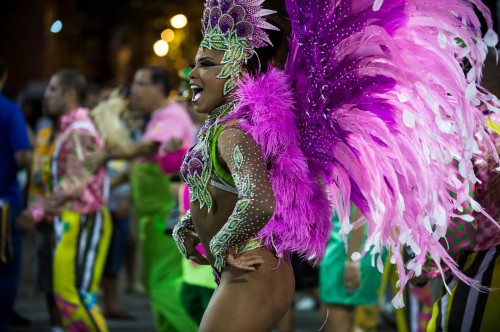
{"points": [[265, 111], [384, 107]]}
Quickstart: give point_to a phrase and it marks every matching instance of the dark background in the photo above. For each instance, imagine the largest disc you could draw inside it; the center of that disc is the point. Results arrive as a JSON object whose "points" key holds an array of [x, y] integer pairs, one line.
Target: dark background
{"points": [[106, 39]]}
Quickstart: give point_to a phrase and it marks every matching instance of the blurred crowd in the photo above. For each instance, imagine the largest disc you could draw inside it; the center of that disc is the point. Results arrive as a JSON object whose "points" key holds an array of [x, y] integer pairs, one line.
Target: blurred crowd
{"points": [[93, 171]]}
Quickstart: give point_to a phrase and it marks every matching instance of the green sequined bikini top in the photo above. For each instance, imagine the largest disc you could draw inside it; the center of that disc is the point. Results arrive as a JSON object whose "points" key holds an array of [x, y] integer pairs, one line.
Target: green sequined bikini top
{"points": [[201, 160]]}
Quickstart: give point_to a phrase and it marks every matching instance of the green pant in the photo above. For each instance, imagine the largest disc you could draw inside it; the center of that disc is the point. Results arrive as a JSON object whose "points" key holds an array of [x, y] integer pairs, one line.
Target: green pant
{"points": [[195, 299], [162, 278], [161, 261]]}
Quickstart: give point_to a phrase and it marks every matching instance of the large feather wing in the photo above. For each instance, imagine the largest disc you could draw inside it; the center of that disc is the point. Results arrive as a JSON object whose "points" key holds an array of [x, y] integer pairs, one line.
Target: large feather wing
{"points": [[384, 107]]}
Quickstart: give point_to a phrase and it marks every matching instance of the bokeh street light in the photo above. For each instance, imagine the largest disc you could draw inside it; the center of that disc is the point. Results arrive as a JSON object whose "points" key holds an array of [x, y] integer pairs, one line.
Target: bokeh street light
{"points": [[167, 35], [56, 26], [179, 21], [160, 48]]}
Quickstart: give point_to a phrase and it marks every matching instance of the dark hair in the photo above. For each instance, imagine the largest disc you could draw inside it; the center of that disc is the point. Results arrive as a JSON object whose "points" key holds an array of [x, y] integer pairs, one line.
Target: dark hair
{"points": [[260, 61], [3, 67], [73, 79], [160, 76]]}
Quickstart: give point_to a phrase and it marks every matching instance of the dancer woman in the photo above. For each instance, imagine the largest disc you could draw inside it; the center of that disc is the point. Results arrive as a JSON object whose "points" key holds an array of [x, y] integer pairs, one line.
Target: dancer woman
{"points": [[232, 199], [349, 116]]}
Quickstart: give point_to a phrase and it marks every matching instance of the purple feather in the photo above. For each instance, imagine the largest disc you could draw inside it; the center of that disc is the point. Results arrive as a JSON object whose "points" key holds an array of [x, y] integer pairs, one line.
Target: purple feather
{"points": [[383, 107], [266, 112]]}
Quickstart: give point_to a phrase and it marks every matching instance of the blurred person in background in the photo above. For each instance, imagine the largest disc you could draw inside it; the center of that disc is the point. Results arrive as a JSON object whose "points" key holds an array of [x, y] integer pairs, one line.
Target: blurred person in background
{"points": [[108, 116], [75, 200], [44, 146], [120, 208], [15, 153], [31, 102], [135, 121], [347, 284], [151, 193]]}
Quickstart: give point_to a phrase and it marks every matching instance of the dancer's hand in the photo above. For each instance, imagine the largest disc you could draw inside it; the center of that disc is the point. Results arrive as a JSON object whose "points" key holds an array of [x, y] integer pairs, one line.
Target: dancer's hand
{"points": [[247, 262], [95, 160], [352, 275], [190, 242], [25, 221]]}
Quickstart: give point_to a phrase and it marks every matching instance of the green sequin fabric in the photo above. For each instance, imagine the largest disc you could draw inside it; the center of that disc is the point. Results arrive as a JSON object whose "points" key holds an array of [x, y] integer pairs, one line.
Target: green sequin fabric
{"points": [[220, 243], [197, 166], [236, 53]]}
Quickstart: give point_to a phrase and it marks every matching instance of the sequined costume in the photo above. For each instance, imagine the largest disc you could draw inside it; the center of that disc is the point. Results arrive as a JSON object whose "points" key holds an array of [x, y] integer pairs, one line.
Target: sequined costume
{"points": [[76, 198], [263, 153], [372, 108], [251, 169]]}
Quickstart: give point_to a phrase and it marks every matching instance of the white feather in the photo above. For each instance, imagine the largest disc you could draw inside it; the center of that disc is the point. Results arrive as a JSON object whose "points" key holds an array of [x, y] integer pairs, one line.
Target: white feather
{"points": [[471, 75], [403, 97], [475, 205], [492, 108], [491, 38], [356, 256], [380, 265], [377, 4], [408, 119], [397, 301], [471, 91], [466, 217], [442, 41], [462, 169]]}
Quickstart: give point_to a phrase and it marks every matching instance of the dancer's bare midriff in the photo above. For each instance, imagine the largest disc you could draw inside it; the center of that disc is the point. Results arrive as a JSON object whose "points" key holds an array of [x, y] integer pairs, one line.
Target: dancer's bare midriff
{"points": [[265, 293], [206, 223]]}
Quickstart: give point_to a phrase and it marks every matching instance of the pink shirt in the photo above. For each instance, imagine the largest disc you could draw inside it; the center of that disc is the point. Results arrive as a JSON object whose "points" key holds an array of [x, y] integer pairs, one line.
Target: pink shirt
{"points": [[76, 188], [172, 121]]}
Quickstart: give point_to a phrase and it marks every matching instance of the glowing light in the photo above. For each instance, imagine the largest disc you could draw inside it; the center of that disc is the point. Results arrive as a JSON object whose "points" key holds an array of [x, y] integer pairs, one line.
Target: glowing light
{"points": [[160, 48], [56, 27], [179, 21], [167, 35]]}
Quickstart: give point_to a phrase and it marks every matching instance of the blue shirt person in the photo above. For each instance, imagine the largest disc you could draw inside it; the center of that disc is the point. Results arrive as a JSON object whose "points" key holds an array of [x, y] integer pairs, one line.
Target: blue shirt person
{"points": [[15, 153], [14, 138]]}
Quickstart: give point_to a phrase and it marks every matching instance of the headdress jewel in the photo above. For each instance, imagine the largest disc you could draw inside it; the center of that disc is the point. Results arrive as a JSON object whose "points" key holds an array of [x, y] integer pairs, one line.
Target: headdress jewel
{"points": [[237, 28]]}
